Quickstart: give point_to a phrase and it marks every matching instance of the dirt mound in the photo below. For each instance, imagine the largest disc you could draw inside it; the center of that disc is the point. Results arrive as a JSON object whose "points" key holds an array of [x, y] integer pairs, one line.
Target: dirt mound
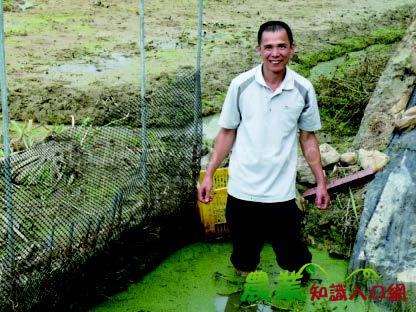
{"points": [[94, 44]]}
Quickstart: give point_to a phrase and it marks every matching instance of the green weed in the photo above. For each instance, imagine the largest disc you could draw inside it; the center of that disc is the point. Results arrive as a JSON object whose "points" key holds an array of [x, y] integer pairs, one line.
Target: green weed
{"points": [[22, 134], [83, 134], [7, 5], [380, 36], [344, 96], [353, 205], [335, 230]]}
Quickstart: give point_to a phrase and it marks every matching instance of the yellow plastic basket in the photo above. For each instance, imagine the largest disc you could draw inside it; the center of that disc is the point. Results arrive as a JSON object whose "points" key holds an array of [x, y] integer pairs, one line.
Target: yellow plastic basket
{"points": [[213, 214], [220, 178]]}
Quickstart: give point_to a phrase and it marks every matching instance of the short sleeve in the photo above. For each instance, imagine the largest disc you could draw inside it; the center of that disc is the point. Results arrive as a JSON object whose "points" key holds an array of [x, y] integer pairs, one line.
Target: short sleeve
{"points": [[309, 119], [230, 114]]}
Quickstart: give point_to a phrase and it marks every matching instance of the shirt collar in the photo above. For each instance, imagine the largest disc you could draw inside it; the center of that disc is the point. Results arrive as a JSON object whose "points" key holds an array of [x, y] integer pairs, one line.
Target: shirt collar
{"points": [[287, 83]]}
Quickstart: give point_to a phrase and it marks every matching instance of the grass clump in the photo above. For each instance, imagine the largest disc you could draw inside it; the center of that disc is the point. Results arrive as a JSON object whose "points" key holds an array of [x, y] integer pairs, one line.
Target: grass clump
{"points": [[344, 96], [7, 5], [336, 229]]}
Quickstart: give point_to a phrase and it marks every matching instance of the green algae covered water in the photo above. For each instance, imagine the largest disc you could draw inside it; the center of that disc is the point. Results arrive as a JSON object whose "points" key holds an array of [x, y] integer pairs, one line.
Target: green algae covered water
{"points": [[200, 277]]}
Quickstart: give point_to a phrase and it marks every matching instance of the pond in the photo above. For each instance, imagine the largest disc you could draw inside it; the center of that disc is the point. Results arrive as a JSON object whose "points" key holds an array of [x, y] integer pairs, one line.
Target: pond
{"points": [[200, 277]]}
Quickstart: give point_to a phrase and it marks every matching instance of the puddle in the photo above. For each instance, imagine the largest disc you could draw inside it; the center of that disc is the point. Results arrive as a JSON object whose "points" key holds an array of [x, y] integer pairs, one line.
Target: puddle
{"points": [[73, 69], [122, 67], [115, 62]]}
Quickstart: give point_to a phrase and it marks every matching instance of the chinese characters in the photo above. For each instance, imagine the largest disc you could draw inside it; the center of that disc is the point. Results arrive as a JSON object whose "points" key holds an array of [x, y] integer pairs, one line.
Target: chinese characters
{"points": [[289, 288]]}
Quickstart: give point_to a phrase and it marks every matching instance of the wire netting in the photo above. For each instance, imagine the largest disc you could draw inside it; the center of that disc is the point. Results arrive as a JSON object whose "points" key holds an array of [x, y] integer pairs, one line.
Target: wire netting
{"points": [[83, 186]]}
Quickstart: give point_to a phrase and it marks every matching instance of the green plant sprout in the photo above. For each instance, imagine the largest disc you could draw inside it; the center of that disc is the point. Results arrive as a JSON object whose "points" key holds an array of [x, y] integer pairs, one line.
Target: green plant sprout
{"points": [[354, 207], [22, 134]]}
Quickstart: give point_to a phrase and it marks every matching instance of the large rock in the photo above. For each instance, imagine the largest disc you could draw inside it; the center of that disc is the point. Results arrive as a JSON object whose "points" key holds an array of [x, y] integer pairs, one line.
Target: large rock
{"points": [[372, 159], [329, 155], [396, 82], [386, 239]]}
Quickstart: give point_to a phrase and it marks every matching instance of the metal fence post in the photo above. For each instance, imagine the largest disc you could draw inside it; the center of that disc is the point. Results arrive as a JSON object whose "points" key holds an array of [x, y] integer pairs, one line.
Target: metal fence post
{"points": [[6, 147], [143, 104], [197, 104]]}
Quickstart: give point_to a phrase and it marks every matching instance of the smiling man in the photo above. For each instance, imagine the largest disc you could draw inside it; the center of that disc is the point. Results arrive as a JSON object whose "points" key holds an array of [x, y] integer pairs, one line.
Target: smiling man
{"points": [[263, 111]]}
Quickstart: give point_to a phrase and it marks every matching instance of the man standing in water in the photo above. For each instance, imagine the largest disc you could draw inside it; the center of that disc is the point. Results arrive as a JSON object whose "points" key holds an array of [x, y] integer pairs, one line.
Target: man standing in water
{"points": [[260, 118]]}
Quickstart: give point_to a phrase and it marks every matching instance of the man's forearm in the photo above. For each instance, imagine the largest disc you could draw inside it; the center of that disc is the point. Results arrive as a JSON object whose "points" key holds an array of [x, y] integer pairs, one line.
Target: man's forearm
{"points": [[310, 149], [222, 147]]}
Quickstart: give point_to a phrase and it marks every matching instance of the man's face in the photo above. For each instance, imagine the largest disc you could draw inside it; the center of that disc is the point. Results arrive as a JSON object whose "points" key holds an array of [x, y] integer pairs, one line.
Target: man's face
{"points": [[275, 50]]}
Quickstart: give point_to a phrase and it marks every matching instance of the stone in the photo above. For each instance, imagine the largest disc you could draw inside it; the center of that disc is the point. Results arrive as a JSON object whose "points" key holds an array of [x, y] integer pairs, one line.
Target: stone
{"points": [[407, 120], [400, 106], [372, 159], [329, 155], [304, 172], [349, 158]]}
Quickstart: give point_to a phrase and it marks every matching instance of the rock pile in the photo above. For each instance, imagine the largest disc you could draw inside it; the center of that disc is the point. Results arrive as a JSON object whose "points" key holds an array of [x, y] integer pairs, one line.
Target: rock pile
{"points": [[331, 159]]}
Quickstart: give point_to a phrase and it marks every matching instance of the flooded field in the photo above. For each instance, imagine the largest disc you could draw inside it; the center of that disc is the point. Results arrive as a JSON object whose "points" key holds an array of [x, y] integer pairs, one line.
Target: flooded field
{"points": [[74, 62], [200, 278]]}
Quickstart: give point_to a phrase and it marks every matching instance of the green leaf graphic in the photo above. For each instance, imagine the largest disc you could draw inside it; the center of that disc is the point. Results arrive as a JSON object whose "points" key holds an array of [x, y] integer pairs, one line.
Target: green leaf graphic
{"points": [[310, 269]]}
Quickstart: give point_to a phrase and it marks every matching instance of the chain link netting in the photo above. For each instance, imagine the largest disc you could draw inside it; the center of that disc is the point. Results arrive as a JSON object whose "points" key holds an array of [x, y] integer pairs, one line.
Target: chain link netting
{"points": [[85, 185]]}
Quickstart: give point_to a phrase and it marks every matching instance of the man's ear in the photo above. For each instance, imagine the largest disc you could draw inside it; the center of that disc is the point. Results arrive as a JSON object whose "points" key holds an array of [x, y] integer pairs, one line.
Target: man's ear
{"points": [[258, 49], [293, 49]]}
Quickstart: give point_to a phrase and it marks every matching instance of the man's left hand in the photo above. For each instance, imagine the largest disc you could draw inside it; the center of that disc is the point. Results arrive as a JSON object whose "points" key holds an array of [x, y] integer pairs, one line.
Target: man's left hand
{"points": [[322, 197]]}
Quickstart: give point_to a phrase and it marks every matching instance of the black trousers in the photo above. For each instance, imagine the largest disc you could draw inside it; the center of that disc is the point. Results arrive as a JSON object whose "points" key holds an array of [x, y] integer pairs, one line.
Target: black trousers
{"points": [[251, 224]]}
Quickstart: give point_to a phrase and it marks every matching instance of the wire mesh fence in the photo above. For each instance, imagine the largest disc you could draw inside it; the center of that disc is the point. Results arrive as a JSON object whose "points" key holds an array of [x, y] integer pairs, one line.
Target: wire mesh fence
{"points": [[83, 186]]}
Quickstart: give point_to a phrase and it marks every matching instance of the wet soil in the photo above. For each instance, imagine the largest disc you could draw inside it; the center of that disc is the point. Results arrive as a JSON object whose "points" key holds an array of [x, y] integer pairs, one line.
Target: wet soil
{"points": [[81, 58]]}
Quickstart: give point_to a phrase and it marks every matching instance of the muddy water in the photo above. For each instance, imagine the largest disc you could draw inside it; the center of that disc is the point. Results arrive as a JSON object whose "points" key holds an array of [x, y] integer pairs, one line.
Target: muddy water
{"points": [[200, 278], [88, 72]]}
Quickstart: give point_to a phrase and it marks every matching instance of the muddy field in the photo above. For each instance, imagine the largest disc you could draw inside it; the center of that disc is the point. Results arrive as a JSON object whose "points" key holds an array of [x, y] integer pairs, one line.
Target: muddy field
{"points": [[81, 57]]}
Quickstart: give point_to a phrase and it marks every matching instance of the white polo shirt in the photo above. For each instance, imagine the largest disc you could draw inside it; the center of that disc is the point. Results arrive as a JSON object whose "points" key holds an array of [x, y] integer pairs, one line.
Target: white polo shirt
{"points": [[263, 160]]}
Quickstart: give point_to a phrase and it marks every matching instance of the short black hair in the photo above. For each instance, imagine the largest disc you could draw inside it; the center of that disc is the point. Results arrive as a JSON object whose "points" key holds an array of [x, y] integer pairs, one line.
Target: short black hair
{"points": [[274, 26]]}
